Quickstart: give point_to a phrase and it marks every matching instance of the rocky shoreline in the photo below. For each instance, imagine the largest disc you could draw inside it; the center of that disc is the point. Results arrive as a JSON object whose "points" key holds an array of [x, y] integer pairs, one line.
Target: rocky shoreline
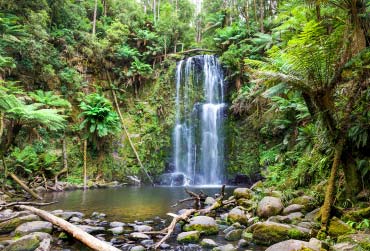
{"points": [[259, 219]]}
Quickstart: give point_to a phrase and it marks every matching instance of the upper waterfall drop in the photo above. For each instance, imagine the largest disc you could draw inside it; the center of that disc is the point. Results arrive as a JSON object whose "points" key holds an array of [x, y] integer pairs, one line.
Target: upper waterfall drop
{"points": [[198, 135]]}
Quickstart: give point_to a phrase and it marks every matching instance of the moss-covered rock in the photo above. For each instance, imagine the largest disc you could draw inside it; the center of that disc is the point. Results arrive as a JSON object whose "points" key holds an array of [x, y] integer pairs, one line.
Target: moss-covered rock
{"points": [[269, 206], [267, 233], [237, 215], [362, 240], [234, 235], [247, 204], [188, 237], [307, 202], [296, 245], [357, 214], [33, 226], [10, 225], [28, 242], [338, 227], [244, 193], [204, 224]]}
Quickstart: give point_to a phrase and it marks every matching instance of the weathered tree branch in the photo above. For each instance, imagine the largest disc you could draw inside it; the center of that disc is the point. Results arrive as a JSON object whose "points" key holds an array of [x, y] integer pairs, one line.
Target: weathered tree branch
{"points": [[73, 230]]}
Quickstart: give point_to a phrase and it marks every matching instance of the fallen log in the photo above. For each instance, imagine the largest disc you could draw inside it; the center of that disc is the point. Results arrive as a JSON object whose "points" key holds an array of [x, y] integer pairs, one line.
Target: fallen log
{"points": [[87, 239], [29, 203], [24, 186]]}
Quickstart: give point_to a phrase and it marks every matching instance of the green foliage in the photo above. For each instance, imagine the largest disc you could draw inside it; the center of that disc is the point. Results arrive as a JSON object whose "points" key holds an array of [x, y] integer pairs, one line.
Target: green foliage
{"points": [[99, 116]]}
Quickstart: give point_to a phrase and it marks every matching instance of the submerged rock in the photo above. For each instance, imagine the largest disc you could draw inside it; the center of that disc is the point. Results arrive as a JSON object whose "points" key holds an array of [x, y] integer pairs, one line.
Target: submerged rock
{"points": [[34, 226], [188, 237], [139, 236], [208, 243], [204, 224], [228, 247], [269, 206], [91, 229]]}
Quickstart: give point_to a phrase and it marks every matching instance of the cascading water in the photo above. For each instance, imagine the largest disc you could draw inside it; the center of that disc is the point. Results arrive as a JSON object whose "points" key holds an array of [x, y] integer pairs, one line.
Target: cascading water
{"points": [[198, 136]]}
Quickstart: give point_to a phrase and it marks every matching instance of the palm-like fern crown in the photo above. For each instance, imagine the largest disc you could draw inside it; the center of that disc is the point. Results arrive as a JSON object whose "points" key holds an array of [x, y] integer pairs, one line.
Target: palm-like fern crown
{"points": [[99, 116]]}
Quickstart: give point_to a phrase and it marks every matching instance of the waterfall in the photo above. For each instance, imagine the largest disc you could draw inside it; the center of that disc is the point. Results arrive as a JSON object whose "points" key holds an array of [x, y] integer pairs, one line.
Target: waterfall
{"points": [[198, 135]]}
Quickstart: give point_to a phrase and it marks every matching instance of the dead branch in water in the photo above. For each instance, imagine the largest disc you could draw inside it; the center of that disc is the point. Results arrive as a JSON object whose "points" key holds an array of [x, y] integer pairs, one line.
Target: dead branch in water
{"points": [[29, 203], [185, 216]]}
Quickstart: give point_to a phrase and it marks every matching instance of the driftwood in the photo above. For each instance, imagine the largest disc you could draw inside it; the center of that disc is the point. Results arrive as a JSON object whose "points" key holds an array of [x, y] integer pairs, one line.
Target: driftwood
{"points": [[220, 202], [87, 239], [24, 186], [168, 230], [29, 203]]}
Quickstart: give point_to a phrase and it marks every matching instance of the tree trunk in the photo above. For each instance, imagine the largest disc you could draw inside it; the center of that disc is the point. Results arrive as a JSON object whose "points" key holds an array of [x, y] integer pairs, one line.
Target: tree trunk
{"points": [[94, 18], [128, 136], [353, 181], [1, 125], [85, 164], [73, 230], [26, 188], [330, 190], [65, 157], [262, 10]]}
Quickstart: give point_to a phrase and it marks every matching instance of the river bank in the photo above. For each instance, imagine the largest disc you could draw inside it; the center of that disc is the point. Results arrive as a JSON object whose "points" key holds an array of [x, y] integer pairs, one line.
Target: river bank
{"points": [[250, 219]]}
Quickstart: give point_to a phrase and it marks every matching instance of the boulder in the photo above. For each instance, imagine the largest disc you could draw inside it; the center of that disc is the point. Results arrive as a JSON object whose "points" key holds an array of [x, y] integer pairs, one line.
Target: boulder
{"points": [[208, 243], [357, 214], [66, 215], [363, 240], [237, 215], [138, 248], [313, 216], [116, 230], [116, 224], [209, 201], [267, 233], [34, 226], [245, 193], [91, 229], [234, 235], [45, 245], [346, 246], [228, 247], [307, 202], [296, 245], [204, 224], [10, 225], [142, 228], [292, 209], [28, 242], [188, 237], [290, 218], [269, 206], [139, 236], [338, 227]]}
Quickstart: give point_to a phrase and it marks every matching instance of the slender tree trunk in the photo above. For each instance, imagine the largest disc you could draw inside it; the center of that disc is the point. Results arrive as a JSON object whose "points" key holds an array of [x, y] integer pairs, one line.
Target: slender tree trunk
{"points": [[94, 18], [262, 13], [127, 134], [353, 182], [1, 125], [65, 156], [85, 163], [255, 11], [330, 189]]}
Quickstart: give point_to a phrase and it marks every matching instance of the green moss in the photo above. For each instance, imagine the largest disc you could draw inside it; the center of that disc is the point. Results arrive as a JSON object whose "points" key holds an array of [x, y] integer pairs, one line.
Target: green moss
{"points": [[188, 237], [296, 234], [357, 215], [206, 230], [338, 227]]}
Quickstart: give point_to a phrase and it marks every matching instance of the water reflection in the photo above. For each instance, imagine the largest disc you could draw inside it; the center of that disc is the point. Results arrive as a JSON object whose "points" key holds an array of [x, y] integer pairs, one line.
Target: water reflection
{"points": [[127, 203]]}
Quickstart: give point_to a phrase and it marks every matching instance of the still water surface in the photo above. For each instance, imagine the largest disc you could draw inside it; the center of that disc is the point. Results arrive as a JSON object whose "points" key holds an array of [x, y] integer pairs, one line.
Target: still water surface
{"points": [[126, 204]]}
